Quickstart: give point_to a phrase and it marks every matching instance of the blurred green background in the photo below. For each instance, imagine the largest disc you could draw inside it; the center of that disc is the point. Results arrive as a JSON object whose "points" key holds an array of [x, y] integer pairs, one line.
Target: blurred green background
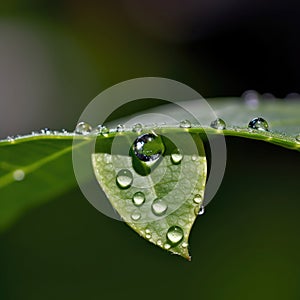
{"points": [[56, 56]]}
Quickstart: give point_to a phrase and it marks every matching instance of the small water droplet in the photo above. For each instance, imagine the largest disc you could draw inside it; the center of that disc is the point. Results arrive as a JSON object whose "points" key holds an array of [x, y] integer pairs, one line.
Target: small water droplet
{"points": [[147, 230], [148, 236], [185, 124], [104, 131], [124, 179], [159, 207], [138, 127], [251, 99], [298, 138], [258, 124], [10, 139], [176, 157], [19, 175], [159, 243], [218, 124], [197, 198], [83, 128], [175, 235], [120, 128], [135, 216], [167, 246], [184, 245], [194, 157], [148, 147], [138, 198]]}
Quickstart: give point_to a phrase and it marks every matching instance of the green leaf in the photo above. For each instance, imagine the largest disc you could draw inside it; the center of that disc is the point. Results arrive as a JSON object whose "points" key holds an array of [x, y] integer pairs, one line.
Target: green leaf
{"points": [[166, 208], [46, 160]]}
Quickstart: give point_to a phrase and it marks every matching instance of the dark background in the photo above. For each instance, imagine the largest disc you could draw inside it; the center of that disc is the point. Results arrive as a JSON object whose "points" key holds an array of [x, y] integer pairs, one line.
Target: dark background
{"points": [[55, 56]]}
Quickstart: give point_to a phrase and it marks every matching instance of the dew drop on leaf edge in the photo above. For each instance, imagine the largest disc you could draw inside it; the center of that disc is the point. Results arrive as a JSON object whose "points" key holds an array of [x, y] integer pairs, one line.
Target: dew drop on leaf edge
{"points": [[218, 124], [258, 123], [83, 128], [175, 235], [185, 124], [138, 127], [124, 178]]}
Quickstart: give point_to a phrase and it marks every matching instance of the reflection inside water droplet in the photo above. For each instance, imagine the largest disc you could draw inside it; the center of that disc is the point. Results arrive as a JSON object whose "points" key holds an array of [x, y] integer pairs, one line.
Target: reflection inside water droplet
{"points": [[124, 178], [197, 198]]}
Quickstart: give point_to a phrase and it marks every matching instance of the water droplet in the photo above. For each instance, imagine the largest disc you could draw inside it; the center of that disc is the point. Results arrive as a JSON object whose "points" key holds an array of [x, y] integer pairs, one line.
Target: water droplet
{"points": [[218, 124], [135, 216], [259, 124], [197, 198], [175, 235], [147, 230], [10, 139], [138, 198], [176, 157], [159, 243], [104, 131], [19, 175], [185, 124], [251, 99], [120, 128], [148, 147], [167, 246], [194, 157], [83, 128], [138, 127], [298, 138], [159, 207], [184, 244], [148, 236], [124, 179]]}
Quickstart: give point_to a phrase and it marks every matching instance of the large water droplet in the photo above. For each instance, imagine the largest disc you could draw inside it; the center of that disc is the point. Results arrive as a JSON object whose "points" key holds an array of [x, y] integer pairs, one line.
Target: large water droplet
{"points": [[176, 157], [138, 198], [124, 179], [185, 124], [148, 147], [138, 127], [218, 124], [159, 207], [259, 124], [175, 235], [83, 128]]}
